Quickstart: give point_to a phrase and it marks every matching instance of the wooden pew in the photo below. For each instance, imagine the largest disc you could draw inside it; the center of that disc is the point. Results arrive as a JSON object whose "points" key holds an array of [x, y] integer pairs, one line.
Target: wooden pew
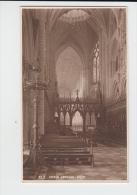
{"points": [[66, 150], [57, 137], [69, 158]]}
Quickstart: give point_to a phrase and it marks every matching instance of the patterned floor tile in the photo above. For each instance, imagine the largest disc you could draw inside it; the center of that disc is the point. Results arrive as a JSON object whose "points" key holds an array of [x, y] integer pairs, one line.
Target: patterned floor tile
{"points": [[110, 164]]}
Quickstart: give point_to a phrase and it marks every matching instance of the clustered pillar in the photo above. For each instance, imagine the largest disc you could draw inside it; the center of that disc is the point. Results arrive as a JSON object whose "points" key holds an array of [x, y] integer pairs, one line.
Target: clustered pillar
{"points": [[42, 64]]}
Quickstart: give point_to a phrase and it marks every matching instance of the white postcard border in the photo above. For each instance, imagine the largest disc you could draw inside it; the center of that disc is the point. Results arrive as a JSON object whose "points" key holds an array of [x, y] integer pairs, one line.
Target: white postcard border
{"points": [[11, 119]]}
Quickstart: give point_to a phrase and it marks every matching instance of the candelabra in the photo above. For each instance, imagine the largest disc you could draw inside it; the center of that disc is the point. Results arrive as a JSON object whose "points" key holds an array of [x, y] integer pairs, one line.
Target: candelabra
{"points": [[35, 159]]}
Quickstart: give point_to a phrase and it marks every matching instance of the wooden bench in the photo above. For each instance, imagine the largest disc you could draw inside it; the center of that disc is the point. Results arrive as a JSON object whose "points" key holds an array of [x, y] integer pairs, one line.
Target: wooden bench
{"points": [[69, 158], [57, 136], [64, 150]]}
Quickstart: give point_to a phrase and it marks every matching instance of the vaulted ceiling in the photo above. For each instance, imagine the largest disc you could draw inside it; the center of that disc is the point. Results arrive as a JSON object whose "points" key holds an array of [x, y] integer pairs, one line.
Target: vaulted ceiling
{"points": [[98, 16], [77, 28], [79, 34], [76, 36]]}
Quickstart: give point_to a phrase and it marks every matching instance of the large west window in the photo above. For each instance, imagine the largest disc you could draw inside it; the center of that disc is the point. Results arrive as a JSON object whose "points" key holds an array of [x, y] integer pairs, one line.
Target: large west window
{"points": [[96, 63]]}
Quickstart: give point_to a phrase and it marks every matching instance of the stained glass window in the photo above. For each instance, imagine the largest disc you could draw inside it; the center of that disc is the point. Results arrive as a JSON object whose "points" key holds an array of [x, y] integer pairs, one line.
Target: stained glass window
{"points": [[96, 63]]}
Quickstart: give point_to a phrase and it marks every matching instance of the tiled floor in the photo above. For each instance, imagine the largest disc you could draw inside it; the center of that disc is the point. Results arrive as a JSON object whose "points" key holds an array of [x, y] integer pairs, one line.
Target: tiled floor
{"points": [[110, 164]]}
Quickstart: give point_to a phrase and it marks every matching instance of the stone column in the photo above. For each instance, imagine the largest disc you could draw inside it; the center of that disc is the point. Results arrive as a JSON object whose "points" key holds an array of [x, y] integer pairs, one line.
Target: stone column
{"points": [[25, 124], [100, 57], [47, 48], [82, 82], [85, 73], [84, 123], [30, 113], [107, 70], [42, 63], [81, 92], [46, 114], [70, 115], [47, 74], [106, 67], [64, 118], [52, 49], [52, 68], [87, 81], [90, 118], [103, 65]]}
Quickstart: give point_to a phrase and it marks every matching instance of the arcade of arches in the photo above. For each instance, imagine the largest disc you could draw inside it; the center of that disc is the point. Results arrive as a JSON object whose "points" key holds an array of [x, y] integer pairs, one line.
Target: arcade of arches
{"points": [[82, 49]]}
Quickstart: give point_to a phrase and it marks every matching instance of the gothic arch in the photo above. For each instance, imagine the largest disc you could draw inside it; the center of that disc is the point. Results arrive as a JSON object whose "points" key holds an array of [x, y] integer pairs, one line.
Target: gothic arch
{"points": [[77, 110], [72, 45], [98, 15]]}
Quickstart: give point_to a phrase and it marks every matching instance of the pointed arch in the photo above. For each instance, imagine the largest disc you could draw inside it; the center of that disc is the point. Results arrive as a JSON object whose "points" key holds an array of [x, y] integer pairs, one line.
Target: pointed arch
{"points": [[75, 47]]}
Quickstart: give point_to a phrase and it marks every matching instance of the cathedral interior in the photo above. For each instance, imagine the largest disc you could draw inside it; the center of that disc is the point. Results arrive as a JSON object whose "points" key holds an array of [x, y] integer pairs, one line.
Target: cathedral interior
{"points": [[74, 63]]}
